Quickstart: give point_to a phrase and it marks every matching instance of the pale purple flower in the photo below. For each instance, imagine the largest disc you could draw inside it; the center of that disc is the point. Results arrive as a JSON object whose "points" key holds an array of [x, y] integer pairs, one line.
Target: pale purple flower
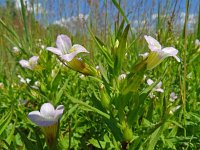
{"points": [[65, 49], [47, 115], [157, 88], [30, 64], [158, 54], [173, 97]]}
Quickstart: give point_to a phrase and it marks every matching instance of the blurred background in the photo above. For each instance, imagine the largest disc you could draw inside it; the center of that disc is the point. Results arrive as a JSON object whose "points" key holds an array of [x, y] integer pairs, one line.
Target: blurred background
{"points": [[53, 17]]}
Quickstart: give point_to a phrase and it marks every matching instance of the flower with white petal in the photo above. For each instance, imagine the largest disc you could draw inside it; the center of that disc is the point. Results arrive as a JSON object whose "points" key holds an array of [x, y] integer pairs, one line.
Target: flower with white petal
{"points": [[157, 88], [30, 64], [173, 97], [144, 55], [16, 50], [158, 54], [47, 115], [122, 76], [173, 110], [65, 49], [197, 43]]}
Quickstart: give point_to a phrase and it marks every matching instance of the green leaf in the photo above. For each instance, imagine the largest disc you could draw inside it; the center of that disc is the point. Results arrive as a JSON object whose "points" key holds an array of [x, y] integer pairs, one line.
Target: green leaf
{"points": [[154, 137], [81, 103], [120, 10], [10, 147], [104, 51], [120, 51], [5, 120], [60, 92], [29, 145]]}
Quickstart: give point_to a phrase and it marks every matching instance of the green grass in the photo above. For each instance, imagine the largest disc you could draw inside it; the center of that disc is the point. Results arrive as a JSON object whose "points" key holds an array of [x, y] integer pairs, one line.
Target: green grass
{"points": [[101, 111]]}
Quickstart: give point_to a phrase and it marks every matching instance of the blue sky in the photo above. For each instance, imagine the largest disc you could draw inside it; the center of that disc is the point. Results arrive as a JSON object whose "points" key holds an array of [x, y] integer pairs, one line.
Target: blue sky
{"points": [[57, 9]]}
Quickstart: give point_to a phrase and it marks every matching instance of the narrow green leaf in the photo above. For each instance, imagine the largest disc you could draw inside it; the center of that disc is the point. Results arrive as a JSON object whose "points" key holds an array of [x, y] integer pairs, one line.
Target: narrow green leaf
{"points": [[29, 145], [5, 120], [25, 20], [120, 10], [60, 92], [74, 100]]}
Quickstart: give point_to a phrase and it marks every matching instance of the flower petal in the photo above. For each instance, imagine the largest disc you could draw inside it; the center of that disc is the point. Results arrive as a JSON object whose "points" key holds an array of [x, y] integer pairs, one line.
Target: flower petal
{"points": [[38, 119], [159, 85], [59, 111], [154, 45], [170, 51], [63, 43], [159, 90], [150, 82], [76, 49], [25, 64], [47, 110], [34, 59], [54, 50]]}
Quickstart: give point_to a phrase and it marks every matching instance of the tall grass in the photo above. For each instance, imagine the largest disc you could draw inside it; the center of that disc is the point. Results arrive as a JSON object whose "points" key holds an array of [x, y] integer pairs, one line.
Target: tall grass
{"points": [[104, 110]]}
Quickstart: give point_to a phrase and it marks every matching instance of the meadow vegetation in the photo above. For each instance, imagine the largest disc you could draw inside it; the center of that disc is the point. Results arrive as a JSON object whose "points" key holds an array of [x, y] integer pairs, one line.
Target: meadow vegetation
{"points": [[103, 80]]}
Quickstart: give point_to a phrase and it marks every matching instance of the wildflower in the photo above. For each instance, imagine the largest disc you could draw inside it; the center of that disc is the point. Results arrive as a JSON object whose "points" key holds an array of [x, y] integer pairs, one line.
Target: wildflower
{"points": [[65, 49], [22, 80], [158, 54], [173, 110], [144, 55], [173, 97], [67, 52], [122, 76], [30, 64], [47, 118], [82, 76], [16, 50], [42, 47], [157, 88], [197, 43], [47, 115]]}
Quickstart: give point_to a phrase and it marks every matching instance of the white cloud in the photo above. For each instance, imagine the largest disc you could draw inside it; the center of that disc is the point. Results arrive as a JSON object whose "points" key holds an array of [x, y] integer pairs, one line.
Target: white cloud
{"points": [[154, 16], [74, 23], [37, 7]]}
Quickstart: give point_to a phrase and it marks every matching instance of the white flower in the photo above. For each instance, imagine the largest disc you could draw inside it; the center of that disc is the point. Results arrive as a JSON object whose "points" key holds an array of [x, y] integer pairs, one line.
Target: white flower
{"points": [[65, 49], [16, 50], [173, 97], [122, 76], [157, 88], [82, 76], [144, 55], [173, 110], [37, 83], [197, 42], [158, 54], [42, 46], [47, 115], [31, 63], [22, 80]]}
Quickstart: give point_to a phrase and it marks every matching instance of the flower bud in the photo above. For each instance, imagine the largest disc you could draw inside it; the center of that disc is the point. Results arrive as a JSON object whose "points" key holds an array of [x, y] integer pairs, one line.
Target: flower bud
{"points": [[105, 99]]}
